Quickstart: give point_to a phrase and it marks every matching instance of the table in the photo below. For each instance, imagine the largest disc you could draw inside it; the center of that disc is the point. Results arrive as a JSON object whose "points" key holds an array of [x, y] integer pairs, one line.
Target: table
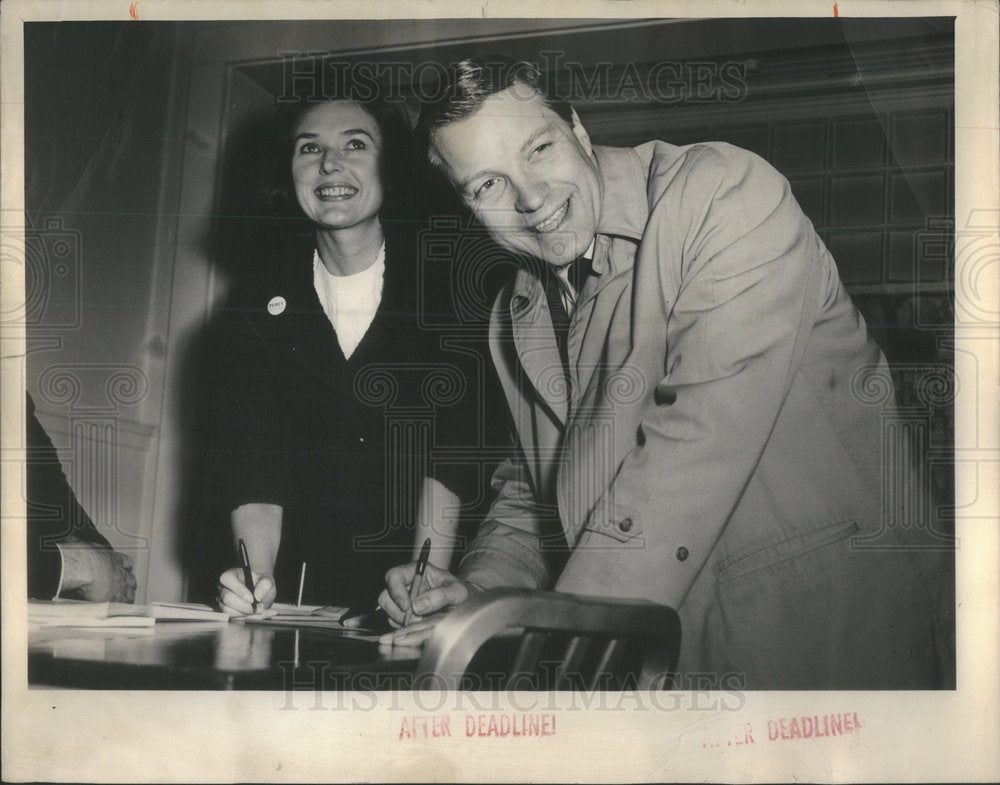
{"points": [[214, 656]]}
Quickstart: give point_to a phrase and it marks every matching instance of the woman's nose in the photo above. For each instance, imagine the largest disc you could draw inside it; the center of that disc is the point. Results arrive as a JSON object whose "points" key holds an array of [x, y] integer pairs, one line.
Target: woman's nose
{"points": [[330, 162]]}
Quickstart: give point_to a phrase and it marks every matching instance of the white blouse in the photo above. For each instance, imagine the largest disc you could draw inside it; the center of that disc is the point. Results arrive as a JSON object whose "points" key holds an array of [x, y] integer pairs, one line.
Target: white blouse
{"points": [[350, 301]]}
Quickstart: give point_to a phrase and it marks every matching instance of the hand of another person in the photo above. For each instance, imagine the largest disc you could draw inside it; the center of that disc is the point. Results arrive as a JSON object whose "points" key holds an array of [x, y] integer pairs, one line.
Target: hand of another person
{"points": [[442, 590], [96, 573], [236, 599]]}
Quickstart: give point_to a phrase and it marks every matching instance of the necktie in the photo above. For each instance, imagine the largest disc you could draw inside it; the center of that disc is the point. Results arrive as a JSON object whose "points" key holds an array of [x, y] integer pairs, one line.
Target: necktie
{"points": [[578, 272]]}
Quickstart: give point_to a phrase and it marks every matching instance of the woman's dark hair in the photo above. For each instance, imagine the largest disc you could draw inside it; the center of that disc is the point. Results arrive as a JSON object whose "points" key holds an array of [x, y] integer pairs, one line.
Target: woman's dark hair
{"points": [[275, 189]]}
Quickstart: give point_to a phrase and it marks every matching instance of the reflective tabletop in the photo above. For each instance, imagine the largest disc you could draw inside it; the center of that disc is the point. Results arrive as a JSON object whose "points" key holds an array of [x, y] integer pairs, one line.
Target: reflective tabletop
{"points": [[215, 655]]}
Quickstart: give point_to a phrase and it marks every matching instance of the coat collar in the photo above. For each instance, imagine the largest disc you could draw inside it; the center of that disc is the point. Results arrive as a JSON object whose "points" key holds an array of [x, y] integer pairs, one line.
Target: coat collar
{"points": [[624, 213], [624, 204]]}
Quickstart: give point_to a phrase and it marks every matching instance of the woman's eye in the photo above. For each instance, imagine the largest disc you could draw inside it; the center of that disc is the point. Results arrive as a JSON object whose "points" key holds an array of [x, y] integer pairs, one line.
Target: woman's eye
{"points": [[309, 147], [356, 144], [541, 147]]}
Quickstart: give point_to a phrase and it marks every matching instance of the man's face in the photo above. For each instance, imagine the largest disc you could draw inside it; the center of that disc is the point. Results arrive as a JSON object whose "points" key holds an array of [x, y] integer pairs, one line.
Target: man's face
{"points": [[526, 173]]}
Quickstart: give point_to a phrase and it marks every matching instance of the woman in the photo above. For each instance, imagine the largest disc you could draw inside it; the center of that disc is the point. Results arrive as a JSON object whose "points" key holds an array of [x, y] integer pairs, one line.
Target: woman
{"points": [[332, 392]]}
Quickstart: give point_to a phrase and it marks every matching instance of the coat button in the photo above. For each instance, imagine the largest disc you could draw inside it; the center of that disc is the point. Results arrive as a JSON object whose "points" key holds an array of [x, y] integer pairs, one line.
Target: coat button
{"points": [[625, 524], [682, 553]]}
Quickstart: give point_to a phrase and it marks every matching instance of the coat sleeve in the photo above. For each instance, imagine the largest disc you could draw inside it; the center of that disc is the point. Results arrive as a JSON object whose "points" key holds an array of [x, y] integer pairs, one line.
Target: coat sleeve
{"points": [[54, 514], [247, 444], [519, 540], [509, 549], [735, 268]]}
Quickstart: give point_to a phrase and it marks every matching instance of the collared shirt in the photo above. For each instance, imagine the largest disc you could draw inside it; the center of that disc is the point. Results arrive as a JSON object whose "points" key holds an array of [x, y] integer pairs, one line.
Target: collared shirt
{"points": [[350, 301], [567, 291]]}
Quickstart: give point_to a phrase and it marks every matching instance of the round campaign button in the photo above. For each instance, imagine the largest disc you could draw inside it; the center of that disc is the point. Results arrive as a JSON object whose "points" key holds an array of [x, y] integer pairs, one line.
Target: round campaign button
{"points": [[276, 306]]}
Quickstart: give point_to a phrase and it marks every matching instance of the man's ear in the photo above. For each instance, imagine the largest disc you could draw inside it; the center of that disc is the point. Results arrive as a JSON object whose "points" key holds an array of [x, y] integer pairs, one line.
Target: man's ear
{"points": [[581, 133]]}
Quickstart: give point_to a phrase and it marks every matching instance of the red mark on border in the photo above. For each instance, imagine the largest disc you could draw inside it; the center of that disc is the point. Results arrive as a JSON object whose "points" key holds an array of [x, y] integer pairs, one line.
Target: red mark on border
{"points": [[835, 13], [134, 13]]}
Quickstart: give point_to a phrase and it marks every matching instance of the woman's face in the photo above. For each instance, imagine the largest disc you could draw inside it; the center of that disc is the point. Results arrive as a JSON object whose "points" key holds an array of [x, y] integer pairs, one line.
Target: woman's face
{"points": [[336, 159]]}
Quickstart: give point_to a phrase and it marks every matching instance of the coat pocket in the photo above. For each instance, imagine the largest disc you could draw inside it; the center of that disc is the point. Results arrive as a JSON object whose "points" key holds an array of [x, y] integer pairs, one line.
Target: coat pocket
{"points": [[775, 551]]}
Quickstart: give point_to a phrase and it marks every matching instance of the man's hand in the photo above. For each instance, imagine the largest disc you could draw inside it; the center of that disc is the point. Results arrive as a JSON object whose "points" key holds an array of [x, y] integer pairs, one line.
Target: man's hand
{"points": [[443, 590], [96, 573], [235, 598]]}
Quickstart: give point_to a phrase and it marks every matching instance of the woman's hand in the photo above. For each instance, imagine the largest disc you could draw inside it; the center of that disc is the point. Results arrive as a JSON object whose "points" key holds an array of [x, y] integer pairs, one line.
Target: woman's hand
{"points": [[442, 590], [235, 598]]}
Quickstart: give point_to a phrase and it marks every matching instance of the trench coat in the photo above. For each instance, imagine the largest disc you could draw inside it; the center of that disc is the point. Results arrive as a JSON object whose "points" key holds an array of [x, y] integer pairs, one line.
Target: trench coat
{"points": [[718, 444]]}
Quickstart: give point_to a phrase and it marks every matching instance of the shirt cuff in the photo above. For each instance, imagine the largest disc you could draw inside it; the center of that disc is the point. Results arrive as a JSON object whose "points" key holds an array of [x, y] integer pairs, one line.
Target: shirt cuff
{"points": [[62, 570]]}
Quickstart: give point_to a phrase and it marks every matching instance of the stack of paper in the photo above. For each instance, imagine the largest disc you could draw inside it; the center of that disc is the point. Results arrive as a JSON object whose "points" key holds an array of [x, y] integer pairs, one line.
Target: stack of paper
{"points": [[77, 613]]}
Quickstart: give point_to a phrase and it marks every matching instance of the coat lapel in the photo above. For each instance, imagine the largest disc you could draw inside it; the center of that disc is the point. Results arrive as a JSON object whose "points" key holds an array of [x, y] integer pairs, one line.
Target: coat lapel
{"points": [[535, 342], [300, 325]]}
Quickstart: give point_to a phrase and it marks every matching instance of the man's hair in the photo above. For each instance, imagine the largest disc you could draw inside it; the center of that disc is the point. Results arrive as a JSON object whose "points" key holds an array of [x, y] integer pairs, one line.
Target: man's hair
{"points": [[473, 80]]}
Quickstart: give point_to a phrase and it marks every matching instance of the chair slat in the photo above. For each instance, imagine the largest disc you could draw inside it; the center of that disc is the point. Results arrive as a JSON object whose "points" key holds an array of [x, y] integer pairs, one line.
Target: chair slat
{"points": [[526, 661], [572, 659], [610, 657]]}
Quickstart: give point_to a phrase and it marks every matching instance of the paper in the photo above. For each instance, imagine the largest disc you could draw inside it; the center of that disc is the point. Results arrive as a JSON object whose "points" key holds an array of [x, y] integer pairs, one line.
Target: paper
{"points": [[325, 616], [186, 611], [105, 622], [75, 613], [204, 80]]}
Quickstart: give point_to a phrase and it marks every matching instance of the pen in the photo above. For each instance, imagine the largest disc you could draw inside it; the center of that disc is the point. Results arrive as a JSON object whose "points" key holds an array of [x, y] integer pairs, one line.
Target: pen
{"points": [[417, 586], [302, 583], [247, 573]]}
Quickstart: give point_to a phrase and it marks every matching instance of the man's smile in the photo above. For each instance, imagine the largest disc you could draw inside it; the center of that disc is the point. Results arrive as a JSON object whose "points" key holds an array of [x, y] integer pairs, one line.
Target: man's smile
{"points": [[553, 221]]}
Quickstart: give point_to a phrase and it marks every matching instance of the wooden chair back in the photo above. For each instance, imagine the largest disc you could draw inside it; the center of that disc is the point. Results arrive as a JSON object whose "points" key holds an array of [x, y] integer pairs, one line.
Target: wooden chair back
{"points": [[524, 639]]}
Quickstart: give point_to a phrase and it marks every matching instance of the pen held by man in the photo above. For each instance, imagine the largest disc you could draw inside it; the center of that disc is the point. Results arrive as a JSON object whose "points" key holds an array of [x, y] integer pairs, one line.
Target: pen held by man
{"points": [[441, 590], [417, 584]]}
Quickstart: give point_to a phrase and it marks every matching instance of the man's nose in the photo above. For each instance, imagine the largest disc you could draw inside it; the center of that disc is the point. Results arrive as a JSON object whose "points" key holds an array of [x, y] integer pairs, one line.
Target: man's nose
{"points": [[529, 195]]}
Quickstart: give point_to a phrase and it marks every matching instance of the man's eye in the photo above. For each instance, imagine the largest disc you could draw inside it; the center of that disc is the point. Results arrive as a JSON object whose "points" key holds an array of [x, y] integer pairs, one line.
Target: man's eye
{"points": [[541, 147], [486, 187]]}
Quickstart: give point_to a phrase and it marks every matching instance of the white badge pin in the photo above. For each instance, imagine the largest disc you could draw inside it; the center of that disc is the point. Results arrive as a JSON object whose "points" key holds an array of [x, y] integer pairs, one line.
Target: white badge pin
{"points": [[276, 306]]}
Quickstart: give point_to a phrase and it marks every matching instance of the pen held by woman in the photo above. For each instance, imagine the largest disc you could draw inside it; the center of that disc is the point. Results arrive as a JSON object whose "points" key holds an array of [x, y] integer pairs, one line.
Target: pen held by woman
{"points": [[247, 573], [241, 591]]}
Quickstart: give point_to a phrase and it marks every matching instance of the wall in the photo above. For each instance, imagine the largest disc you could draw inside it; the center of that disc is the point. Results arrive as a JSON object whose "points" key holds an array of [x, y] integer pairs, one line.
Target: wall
{"points": [[101, 136]]}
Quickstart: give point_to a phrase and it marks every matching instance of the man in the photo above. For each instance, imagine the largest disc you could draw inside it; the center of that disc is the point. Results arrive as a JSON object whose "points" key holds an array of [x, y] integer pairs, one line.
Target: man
{"points": [[67, 556], [688, 406]]}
